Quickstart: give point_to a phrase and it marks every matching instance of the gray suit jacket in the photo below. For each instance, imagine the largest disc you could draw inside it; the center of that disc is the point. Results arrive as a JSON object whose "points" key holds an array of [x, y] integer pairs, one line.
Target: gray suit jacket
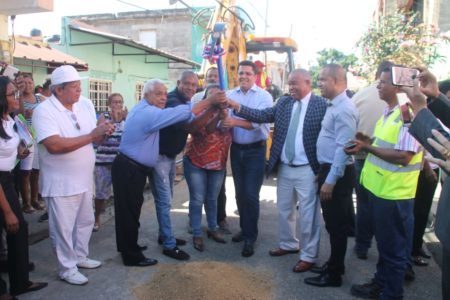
{"points": [[421, 130]]}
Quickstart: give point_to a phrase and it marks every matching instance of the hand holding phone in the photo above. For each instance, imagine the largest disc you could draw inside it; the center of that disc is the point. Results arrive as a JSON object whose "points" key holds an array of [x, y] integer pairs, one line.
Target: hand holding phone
{"points": [[402, 76]]}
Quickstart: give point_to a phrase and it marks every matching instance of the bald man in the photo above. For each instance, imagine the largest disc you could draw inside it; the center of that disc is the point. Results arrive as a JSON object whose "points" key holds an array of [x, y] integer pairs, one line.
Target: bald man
{"points": [[336, 177], [297, 119]]}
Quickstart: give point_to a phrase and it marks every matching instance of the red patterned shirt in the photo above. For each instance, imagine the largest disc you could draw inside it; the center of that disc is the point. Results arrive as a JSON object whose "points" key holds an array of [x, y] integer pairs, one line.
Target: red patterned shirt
{"points": [[209, 150]]}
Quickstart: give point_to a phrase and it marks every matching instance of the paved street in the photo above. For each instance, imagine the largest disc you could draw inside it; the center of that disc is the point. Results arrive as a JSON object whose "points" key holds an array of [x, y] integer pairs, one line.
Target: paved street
{"points": [[115, 281]]}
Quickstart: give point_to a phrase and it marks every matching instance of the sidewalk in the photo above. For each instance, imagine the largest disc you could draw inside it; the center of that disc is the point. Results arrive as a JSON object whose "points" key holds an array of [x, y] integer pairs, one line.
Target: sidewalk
{"points": [[115, 281]]}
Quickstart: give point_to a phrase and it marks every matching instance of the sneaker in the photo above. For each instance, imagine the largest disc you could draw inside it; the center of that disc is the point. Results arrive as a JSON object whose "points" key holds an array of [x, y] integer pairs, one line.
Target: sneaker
{"points": [[96, 227], [75, 278], [89, 264], [370, 290], [43, 218], [176, 253]]}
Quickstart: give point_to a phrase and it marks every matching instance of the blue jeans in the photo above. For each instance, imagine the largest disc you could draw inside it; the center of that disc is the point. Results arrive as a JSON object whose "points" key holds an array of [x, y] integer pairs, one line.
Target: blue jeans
{"points": [[161, 183], [204, 187], [364, 230], [393, 222], [248, 175]]}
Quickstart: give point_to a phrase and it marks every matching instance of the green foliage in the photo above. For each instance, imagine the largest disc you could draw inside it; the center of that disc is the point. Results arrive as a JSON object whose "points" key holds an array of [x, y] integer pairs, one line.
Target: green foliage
{"points": [[400, 39], [331, 56]]}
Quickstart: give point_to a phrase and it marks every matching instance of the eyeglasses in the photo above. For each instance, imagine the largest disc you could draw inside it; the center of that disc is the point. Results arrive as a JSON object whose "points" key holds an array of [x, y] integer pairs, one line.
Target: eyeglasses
{"points": [[74, 118], [16, 94]]}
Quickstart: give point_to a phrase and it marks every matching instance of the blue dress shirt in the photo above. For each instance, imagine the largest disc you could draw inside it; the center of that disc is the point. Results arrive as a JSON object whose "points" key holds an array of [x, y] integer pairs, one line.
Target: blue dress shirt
{"points": [[338, 127], [140, 138], [257, 98]]}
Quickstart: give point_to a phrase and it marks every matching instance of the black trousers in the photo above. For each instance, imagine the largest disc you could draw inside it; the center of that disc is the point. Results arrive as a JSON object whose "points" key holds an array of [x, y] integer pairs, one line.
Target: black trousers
{"points": [[222, 202], [18, 242], [422, 205], [337, 216], [128, 184]]}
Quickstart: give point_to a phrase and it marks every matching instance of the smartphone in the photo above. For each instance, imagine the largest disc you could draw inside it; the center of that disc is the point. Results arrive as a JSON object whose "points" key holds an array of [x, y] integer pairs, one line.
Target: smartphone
{"points": [[10, 71], [403, 76], [350, 145]]}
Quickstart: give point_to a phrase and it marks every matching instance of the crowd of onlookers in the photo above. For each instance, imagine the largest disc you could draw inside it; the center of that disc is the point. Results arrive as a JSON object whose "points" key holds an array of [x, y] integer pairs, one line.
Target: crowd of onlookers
{"points": [[322, 148]]}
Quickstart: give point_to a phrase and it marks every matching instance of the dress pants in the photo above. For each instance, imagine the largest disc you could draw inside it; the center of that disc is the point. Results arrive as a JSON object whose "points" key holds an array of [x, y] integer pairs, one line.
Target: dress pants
{"points": [[17, 243], [445, 273], [393, 226], [248, 175], [297, 185], [70, 223], [222, 201], [128, 184], [336, 216], [363, 229], [422, 206]]}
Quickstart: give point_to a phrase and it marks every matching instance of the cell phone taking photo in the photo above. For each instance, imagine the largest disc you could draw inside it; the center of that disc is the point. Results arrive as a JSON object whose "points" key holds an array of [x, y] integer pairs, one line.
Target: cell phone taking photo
{"points": [[350, 145], [402, 76]]}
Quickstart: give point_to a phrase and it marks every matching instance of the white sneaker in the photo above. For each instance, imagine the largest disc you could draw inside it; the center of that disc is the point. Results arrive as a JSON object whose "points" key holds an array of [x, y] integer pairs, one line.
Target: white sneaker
{"points": [[75, 278], [89, 264]]}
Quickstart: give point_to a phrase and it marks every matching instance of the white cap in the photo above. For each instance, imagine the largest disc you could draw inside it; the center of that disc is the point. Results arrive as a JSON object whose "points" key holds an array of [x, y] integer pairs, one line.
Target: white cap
{"points": [[65, 74]]}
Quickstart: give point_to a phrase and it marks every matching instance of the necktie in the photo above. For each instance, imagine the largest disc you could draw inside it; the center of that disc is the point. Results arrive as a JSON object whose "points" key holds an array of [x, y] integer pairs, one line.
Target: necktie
{"points": [[292, 131]]}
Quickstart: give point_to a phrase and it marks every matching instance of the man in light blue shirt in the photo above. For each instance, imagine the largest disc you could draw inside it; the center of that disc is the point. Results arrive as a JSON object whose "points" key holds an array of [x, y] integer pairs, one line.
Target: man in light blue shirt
{"points": [[248, 154], [138, 153], [336, 177]]}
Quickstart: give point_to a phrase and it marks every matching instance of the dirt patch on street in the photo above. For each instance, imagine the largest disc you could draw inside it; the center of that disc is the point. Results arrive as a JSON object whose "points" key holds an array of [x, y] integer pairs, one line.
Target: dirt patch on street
{"points": [[205, 280]]}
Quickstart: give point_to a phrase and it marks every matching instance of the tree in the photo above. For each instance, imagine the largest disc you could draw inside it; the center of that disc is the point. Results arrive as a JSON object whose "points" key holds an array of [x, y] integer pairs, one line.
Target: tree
{"points": [[400, 39], [331, 56]]}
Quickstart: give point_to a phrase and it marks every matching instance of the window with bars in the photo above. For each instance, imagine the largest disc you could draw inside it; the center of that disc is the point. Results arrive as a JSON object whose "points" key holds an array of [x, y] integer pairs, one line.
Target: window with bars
{"points": [[139, 92], [99, 90]]}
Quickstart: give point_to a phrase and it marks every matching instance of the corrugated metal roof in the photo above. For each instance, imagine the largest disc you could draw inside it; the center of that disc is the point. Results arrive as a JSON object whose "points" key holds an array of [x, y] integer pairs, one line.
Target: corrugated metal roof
{"points": [[38, 52], [80, 26]]}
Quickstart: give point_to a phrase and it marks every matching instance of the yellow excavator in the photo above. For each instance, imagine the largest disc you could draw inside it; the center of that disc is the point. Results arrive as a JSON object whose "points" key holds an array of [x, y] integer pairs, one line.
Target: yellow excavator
{"points": [[238, 42]]}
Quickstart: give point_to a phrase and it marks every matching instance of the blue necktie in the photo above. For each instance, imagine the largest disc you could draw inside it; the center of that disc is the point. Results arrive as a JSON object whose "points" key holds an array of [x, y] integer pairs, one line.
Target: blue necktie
{"points": [[292, 132]]}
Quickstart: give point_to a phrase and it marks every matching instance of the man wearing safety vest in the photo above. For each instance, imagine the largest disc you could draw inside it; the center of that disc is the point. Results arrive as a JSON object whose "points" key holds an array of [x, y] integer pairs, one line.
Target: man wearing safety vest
{"points": [[389, 180]]}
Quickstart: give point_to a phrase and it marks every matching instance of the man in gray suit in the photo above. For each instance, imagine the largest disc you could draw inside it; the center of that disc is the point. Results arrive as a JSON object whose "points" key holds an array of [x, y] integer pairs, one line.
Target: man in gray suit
{"points": [[297, 119], [424, 121]]}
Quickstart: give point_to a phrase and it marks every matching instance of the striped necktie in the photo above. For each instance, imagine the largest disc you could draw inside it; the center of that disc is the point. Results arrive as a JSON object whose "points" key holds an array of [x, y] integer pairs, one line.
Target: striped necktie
{"points": [[289, 150]]}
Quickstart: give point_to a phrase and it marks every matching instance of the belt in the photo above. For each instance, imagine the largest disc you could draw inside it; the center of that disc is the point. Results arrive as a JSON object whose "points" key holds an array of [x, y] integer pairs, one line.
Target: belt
{"points": [[258, 144], [133, 162], [295, 166]]}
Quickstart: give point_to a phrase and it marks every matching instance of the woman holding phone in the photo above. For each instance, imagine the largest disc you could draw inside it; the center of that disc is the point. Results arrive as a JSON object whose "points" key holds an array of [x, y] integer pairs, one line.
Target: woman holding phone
{"points": [[17, 238]]}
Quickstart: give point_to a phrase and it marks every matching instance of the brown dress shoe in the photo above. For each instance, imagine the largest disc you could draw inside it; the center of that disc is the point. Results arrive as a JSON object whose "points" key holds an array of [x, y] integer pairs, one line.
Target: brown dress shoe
{"points": [[302, 266], [281, 252], [198, 243]]}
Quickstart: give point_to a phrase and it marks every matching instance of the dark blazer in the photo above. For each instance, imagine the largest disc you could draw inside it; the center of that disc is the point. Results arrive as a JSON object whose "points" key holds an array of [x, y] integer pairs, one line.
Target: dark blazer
{"points": [[421, 130], [280, 114]]}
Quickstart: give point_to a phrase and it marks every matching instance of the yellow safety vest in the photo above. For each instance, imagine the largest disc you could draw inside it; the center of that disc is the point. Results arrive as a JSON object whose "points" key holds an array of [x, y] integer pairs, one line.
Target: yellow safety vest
{"points": [[386, 180]]}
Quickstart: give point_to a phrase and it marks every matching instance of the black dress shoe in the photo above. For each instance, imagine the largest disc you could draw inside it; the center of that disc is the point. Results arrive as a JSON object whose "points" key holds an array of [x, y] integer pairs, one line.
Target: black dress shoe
{"points": [[176, 253], [247, 250], [143, 263], [179, 242], [423, 253], [324, 280], [237, 238], [370, 290], [142, 248]]}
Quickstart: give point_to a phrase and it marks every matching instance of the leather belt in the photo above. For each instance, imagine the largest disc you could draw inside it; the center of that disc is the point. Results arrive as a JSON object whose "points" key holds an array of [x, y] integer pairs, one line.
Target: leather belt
{"points": [[133, 162], [258, 144], [296, 166]]}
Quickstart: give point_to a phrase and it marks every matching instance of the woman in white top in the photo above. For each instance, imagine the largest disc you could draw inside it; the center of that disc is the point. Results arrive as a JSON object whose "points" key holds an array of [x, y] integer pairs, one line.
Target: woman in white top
{"points": [[17, 239]]}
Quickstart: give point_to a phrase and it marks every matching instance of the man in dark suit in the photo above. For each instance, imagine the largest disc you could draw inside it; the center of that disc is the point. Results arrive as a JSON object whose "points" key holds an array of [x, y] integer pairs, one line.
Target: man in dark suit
{"points": [[297, 119], [424, 121]]}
